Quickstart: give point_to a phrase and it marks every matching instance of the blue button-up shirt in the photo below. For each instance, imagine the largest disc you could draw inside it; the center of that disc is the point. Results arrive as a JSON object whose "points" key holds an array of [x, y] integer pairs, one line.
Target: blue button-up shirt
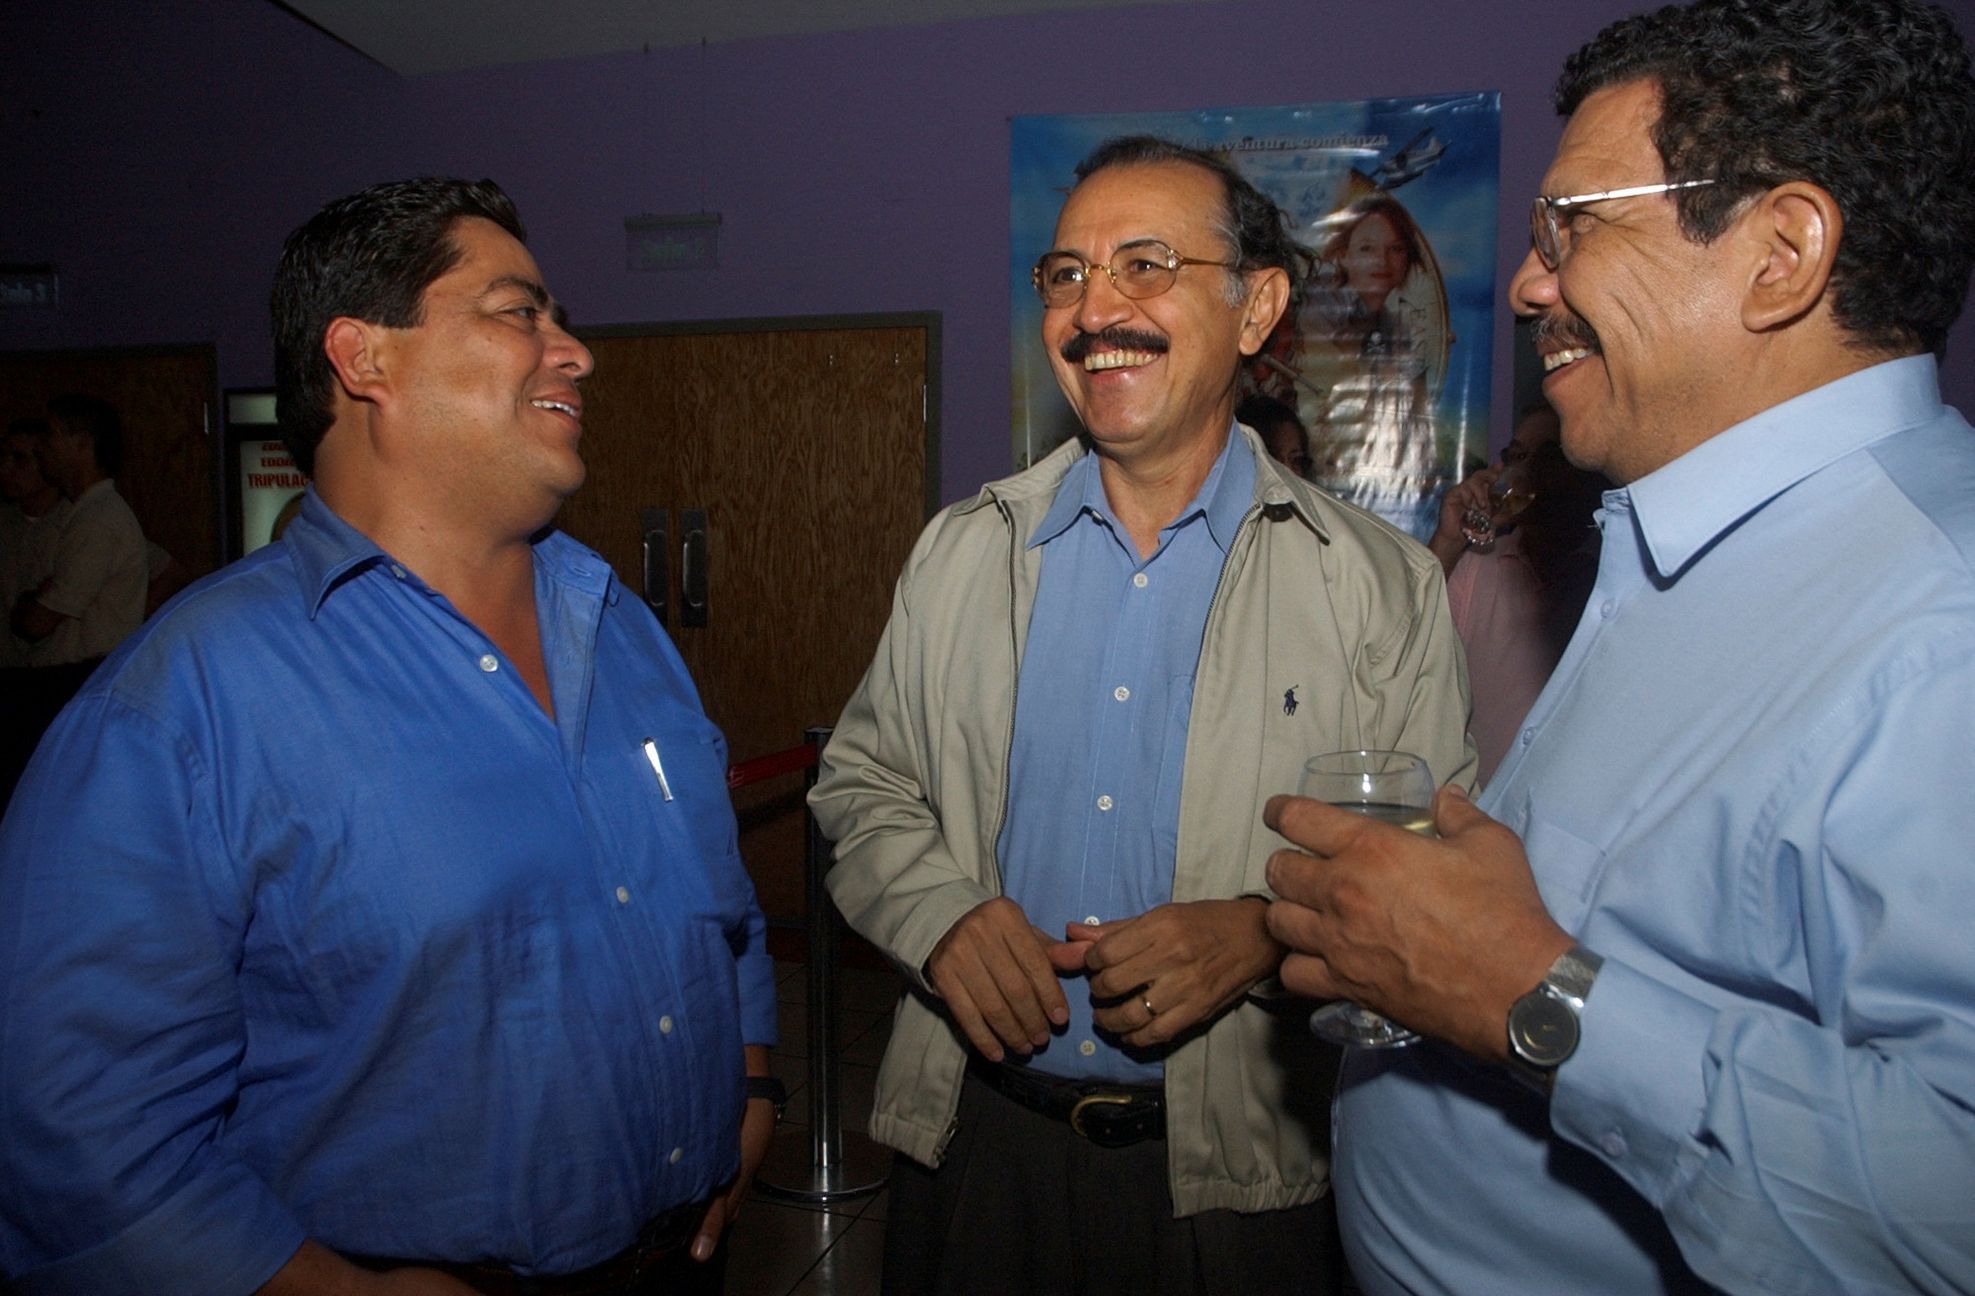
{"points": [[1101, 711], [1747, 786], [314, 923]]}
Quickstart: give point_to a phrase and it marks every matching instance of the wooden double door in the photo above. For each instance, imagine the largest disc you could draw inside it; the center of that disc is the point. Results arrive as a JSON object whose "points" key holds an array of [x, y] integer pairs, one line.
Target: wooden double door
{"points": [[792, 464]]}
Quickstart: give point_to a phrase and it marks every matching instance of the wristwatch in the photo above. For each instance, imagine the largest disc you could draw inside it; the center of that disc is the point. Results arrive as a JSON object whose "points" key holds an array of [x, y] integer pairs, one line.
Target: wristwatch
{"points": [[1543, 1026]]}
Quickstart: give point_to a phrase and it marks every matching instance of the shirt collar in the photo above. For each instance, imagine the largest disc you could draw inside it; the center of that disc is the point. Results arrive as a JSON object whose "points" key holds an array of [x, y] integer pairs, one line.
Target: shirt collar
{"points": [[326, 551], [1684, 506], [1224, 497]]}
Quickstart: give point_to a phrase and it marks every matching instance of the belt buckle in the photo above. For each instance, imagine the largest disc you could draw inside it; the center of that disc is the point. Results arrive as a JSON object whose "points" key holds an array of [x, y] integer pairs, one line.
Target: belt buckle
{"points": [[1104, 1099]]}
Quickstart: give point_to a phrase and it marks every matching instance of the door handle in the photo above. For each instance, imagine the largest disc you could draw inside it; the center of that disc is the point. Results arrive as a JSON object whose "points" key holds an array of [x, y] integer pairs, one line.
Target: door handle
{"points": [[652, 541], [692, 567]]}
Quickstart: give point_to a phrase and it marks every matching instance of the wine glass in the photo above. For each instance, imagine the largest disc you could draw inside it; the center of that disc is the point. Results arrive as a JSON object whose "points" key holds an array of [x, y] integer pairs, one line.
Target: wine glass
{"points": [[1393, 787], [1512, 492]]}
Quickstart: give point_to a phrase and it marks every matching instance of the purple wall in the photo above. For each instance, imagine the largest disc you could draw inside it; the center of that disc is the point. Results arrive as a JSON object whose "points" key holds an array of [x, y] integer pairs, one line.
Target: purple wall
{"points": [[157, 151]]}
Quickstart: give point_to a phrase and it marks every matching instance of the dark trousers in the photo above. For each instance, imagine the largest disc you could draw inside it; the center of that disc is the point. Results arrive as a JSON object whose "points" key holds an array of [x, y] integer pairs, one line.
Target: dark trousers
{"points": [[1022, 1204]]}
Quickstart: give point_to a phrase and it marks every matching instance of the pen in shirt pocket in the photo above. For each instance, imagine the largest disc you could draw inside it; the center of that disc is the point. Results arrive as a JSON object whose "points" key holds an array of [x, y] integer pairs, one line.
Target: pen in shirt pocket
{"points": [[658, 768]]}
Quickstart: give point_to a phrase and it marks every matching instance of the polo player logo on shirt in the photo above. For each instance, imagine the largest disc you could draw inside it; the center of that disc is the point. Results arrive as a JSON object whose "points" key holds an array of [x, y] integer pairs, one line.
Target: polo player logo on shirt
{"points": [[1289, 699]]}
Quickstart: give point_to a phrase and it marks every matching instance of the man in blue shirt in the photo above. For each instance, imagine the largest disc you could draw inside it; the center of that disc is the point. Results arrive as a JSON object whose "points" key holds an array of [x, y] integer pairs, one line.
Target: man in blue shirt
{"points": [[1044, 794], [1703, 1001], [373, 919]]}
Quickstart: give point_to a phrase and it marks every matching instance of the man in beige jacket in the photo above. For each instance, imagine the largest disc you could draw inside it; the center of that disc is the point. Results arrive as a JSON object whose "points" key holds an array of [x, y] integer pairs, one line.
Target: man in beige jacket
{"points": [[1045, 792]]}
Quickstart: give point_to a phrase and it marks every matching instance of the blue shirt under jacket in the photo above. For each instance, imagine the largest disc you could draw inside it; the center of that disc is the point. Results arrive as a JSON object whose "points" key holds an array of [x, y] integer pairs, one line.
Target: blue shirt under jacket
{"points": [[314, 924], [1101, 715], [1748, 787]]}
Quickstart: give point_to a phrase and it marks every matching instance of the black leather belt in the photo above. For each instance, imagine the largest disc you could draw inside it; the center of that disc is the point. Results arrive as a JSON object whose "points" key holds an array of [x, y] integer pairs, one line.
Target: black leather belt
{"points": [[662, 1240], [1109, 1115]]}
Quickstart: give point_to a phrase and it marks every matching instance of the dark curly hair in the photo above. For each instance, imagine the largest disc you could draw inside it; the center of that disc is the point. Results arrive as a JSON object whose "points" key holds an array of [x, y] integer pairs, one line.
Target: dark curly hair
{"points": [[369, 256], [1251, 223], [1871, 100]]}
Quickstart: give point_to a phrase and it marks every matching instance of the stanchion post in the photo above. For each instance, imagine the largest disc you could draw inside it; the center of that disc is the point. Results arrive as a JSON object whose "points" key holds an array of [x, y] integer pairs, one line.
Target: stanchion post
{"points": [[825, 949], [833, 1166]]}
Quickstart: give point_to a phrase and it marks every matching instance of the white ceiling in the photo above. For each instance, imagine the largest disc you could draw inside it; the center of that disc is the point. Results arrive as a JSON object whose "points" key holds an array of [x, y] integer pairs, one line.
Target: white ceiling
{"points": [[417, 36]]}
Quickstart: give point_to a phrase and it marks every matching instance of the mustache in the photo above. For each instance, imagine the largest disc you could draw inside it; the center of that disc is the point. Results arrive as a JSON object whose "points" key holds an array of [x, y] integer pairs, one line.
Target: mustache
{"points": [[1563, 331], [1081, 344]]}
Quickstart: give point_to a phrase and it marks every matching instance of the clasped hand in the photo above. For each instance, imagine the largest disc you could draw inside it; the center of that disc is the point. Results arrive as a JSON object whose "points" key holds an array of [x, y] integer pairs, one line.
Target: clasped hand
{"points": [[1000, 975]]}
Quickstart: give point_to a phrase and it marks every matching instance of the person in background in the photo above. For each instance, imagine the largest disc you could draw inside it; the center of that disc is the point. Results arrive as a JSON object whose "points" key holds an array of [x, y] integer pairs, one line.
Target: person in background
{"points": [[1282, 433], [390, 931], [32, 511], [1695, 974], [1044, 792], [93, 595], [89, 592], [1517, 585]]}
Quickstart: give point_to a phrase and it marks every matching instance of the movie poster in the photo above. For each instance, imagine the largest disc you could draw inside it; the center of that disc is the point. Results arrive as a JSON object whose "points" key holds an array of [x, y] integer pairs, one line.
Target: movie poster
{"points": [[1386, 363]]}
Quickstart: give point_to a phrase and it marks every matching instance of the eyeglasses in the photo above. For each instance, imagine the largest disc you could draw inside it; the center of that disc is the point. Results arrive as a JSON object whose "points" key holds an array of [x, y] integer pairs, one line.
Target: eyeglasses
{"points": [[1546, 232], [1138, 270]]}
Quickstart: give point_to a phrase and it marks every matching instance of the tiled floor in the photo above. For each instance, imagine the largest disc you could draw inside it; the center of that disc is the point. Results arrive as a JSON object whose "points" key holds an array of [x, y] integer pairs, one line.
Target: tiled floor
{"points": [[779, 1248]]}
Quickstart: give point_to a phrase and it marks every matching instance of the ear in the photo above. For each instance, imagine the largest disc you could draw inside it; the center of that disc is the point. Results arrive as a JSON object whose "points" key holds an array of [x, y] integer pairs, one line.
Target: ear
{"points": [[356, 352], [1268, 293], [1795, 228]]}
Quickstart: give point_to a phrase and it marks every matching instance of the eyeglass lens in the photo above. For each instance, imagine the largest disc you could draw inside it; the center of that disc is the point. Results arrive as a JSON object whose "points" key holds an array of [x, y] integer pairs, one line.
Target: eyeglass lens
{"points": [[1543, 232], [1138, 271]]}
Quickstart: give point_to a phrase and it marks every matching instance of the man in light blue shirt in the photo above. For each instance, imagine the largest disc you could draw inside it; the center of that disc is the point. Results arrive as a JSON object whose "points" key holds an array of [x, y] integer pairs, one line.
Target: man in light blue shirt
{"points": [[1101, 724], [1700, 992]]}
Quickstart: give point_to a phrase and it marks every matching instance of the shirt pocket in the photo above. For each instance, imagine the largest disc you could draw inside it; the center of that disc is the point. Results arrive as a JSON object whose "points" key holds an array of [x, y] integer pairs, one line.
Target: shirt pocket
{"points": [[1567, 869]]}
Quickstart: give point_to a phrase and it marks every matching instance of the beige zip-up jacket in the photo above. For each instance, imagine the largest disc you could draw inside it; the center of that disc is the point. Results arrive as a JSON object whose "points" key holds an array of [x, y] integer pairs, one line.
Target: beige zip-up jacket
{"points": [[1317, 599]]}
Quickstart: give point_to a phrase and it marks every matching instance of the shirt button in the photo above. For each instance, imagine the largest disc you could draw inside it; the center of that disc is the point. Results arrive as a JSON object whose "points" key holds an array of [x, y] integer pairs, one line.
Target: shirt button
{"points": [[1104, 802], [1121, 693], [665, 1024], [1614, 1144], [1139, 579], [1088, 1048], [624, 895], [678, 1155], [1091, 921], [1606, 609], [397, 571], [489, 663]]}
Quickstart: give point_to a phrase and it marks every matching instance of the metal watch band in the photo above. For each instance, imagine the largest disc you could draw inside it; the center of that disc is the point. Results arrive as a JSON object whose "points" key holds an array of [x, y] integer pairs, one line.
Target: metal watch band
{"points": [[1572, 974]]}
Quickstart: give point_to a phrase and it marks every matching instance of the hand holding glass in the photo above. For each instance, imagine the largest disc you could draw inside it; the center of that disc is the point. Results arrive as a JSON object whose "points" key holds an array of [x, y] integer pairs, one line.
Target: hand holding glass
{"points": [[1395, 788], [1509, 494]]}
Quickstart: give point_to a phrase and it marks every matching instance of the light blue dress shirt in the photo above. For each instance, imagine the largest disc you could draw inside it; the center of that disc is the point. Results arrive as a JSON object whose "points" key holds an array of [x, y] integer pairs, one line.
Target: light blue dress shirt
{"points": [[314, 923], [1101, 710], [1750, 786]]}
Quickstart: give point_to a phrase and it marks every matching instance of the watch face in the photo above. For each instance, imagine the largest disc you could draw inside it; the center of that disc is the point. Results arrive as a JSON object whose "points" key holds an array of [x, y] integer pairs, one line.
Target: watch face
{"points": [[1542, 1029]]}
